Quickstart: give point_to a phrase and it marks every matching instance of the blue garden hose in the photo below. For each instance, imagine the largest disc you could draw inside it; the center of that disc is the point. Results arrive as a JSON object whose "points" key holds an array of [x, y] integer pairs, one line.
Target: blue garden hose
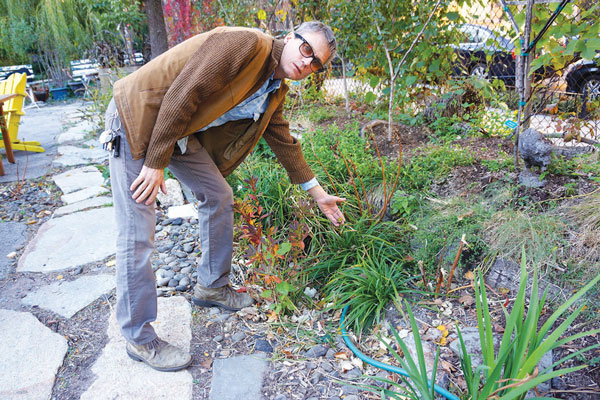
{"points": [[391, 368]]}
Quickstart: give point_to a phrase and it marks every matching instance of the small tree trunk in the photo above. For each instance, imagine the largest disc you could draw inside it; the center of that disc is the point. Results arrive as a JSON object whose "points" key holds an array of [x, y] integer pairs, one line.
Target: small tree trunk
{"points": [[527, 90], [391, 102], [346, 96], [128, 45], [156, 27]]}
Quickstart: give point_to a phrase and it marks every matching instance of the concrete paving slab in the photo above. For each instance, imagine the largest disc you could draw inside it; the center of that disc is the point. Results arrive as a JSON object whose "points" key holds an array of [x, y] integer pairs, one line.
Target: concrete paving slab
{"points": [[77, 132], [120, 377], [238, 377], [94, 202], [79, 178], [13, 234], [70, 241], [31, 356], [70, 156], [83, 194], [67, 298], [40, 125]]}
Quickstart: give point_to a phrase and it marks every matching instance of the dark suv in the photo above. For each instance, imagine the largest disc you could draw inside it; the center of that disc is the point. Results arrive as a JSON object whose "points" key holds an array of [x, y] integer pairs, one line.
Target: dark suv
{"points": [[583, 77], [483, 53]]}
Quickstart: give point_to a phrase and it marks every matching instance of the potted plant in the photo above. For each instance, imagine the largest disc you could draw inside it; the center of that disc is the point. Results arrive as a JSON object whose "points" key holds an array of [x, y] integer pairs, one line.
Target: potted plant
{"points": [[57, 72]]}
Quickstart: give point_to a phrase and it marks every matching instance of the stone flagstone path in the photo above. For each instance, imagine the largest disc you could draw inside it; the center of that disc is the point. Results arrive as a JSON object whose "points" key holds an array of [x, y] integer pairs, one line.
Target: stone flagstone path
{"points": [[66, 298], [31, 355], [82, 233]]}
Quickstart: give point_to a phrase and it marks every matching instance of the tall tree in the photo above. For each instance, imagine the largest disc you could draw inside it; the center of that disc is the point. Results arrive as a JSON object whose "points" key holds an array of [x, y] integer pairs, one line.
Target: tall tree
{"points": [[156, 27]]}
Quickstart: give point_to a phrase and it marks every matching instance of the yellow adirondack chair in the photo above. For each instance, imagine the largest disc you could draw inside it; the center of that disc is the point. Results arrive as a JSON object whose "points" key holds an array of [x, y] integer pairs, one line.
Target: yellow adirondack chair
{"points": [[13, 109]]}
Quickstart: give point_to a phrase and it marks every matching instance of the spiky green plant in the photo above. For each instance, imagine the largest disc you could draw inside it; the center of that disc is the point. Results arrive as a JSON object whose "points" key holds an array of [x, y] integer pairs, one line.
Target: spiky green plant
{"points": [[512, 371]]}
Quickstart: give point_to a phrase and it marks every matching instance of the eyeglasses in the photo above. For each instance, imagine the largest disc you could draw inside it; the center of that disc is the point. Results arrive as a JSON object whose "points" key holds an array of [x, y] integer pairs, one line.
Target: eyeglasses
{"points": [[307, 51]]}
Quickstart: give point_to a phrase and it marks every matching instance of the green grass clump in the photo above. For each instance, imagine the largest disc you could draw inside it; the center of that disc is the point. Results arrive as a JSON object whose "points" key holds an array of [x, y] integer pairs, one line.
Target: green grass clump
{"points": [[543, 236], [335, 250], [367, 287]]}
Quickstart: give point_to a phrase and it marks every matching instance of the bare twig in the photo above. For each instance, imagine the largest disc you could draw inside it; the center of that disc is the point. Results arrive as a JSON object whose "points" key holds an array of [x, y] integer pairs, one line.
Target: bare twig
{"points": [[460, 247], [351, 178], [439, 269], [361, 184], [323, 166]]}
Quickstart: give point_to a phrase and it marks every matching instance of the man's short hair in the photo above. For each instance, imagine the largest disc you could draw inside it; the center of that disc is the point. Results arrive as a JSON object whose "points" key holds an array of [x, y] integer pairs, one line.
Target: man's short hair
{"points": [[319, 27]]}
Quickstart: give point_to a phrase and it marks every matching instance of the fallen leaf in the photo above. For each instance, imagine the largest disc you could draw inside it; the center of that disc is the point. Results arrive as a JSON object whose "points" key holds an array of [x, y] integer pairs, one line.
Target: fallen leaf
{"points": [[467, 215], [346, 366], [207, 363], [383, 341], [248, 311], [449, 368], [470, 275], [503, 291], [403, 333], [288, 353], [272, 316], [341, 355], [111, 263], [498, 328], [466, 300], [358, 363]]}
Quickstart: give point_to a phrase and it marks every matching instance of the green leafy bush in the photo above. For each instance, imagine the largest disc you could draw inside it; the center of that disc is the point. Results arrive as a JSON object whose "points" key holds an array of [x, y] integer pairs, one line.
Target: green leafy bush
{"points": [[406, 205], [435, 164]]}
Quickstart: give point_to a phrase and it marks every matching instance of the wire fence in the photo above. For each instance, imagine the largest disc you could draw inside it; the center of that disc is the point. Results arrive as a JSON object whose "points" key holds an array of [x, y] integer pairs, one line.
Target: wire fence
{"points": [[564, 103]]}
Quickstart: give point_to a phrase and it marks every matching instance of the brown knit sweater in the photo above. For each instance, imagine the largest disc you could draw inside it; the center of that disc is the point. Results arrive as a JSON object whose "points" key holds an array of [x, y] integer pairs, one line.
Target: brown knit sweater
{"points": [[194, 83]]}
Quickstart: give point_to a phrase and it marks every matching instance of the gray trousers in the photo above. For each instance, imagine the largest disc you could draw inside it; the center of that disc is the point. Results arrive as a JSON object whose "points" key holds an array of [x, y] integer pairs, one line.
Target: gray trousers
{"points": [[136, 285]]}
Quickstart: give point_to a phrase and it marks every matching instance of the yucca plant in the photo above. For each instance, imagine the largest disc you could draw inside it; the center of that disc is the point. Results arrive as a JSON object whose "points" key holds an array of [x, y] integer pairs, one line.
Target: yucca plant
{"points": [[416, 381], [513, 371], [510, 373]]}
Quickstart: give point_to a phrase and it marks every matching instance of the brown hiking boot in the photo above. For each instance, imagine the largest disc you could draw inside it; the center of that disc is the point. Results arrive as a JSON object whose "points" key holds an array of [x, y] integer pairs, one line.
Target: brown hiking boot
{"points": [[223, 296], [159, 355]]}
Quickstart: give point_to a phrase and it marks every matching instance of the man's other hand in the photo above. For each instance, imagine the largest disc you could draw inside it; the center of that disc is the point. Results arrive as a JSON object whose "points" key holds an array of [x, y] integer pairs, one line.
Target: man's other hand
{"points": [[146, 185]]}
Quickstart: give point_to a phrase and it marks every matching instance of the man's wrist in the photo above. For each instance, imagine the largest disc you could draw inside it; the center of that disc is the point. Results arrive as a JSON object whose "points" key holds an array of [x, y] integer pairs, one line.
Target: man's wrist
{"points": [[317, 192]]}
